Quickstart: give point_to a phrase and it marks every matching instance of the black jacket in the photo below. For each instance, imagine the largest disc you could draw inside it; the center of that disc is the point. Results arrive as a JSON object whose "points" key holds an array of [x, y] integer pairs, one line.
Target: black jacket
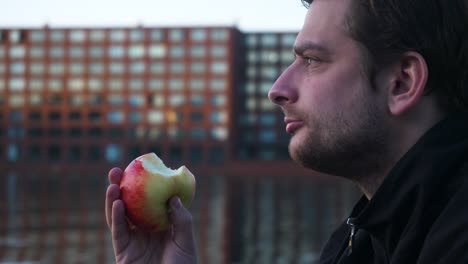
{"points": [[420, 212]]}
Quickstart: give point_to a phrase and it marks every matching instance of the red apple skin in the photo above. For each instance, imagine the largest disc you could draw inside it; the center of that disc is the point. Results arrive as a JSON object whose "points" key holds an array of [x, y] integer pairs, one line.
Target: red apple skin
{"points": [[145, 195]]}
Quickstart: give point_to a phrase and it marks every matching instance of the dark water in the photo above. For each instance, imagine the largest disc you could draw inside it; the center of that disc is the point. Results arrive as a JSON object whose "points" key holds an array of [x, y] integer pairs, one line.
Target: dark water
{"points": [[57, 216]]}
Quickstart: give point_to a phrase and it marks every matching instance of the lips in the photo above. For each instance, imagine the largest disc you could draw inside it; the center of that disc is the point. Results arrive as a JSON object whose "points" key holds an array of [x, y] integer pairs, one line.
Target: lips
{"points": [[292, 125]]}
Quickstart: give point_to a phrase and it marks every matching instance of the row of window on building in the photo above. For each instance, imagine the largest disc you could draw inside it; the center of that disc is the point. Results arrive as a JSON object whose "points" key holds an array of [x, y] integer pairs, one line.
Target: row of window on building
{"points": [[114, 35], [152, 101], [217, 133], [111, 153], [136, 51], [154, 117]]}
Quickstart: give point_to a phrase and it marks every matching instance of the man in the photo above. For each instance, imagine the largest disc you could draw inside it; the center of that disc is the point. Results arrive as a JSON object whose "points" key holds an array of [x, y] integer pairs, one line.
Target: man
{"points": [[378, 94]]}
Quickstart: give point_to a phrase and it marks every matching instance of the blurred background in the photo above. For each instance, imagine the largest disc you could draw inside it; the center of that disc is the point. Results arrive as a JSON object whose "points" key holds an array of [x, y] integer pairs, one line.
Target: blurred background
{"points": [[87, 86]]}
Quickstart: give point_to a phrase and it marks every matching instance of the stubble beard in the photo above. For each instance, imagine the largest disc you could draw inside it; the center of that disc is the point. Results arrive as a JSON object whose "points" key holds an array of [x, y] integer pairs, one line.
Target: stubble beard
{"points": [[348, 145]]}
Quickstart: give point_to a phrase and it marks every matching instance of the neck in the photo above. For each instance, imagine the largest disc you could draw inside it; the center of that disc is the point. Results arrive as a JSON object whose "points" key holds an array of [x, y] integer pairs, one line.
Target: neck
{"points": [[412, 128]]}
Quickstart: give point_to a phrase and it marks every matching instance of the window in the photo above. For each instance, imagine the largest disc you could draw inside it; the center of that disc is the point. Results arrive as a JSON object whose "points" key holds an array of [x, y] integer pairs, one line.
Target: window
{"points": [[12, 152], [115, 99], [196, 117], [74, 116], [54, 116], [77, 36], [218, 117], [113, 153], [198, 35], [219, 34], [137, 67], [176, 35], [56, 68], [76, 68], [218, 100], [176, 84], [16, 84], [196, 155], [156, 100], [198, 51], [95, 85], [36, 52], [115, 117], [218, 51], [216, 155], [136, 100], [251, 40], [35, 99], [156, 35], [97, 35], [177, 67], [157, 67], [157, 51], [76, 52], [116, 51], [17, 68], [56, 52], [94, 117], [177, 52], [176, 100], [55, 85], [34, 116], [269, 56], [135, 117], [96, 68], [218, 84], [197, 84], [116, 68], [117, 35], [155, 117], [219, 67], [54, 152], [219, 133], [36, 84], [74, 153], [156, 84], [197, 133], [137, 35], [36, 68], [136, 51], [198, 67], [288, 40], [34, 152], [267, 119], [16, 100], [37, 36], [136, 84], [197, 100], [269, 40], [76, 84], [94, 153], [96, 52], [56, 36], [267, 136], [17, 51]]}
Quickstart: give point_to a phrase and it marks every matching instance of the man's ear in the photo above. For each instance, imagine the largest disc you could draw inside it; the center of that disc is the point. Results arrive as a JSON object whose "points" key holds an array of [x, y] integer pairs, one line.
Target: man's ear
{"points": [[408, 84]]}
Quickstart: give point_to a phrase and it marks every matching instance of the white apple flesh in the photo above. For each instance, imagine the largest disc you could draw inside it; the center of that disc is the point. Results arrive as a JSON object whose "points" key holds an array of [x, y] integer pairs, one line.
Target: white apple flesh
{"points": [[147, 185]]}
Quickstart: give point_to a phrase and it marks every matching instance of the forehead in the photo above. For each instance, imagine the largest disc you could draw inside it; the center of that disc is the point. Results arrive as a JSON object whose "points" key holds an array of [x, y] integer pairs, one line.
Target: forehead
{"points": [[325, 21]]}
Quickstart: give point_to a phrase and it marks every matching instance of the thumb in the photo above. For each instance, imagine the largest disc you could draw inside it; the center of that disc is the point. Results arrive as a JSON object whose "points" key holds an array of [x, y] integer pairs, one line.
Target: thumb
{"points": [[182, 226]]}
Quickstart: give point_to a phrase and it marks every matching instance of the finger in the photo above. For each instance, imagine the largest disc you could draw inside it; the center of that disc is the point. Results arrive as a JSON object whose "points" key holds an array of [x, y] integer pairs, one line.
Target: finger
{"points": [[182, 226], [112, 194], [120, 229], [115, 175]]}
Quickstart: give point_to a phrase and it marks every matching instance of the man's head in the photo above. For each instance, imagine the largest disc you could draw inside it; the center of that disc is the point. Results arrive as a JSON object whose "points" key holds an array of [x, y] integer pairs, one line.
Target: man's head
{"points": [[354, 96], [436, 29]]}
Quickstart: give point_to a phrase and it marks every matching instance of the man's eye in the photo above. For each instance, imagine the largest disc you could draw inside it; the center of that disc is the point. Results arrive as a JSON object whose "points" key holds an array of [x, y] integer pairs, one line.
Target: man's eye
{"points": [[311, 60]]}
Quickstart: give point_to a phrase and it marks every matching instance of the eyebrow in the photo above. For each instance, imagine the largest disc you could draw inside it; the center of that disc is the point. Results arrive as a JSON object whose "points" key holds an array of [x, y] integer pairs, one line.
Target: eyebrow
{"points": [[303, 47]]}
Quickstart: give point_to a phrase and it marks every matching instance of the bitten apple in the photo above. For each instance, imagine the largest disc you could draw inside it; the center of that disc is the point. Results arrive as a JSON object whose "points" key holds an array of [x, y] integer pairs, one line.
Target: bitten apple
{"points": [[147, 185]]}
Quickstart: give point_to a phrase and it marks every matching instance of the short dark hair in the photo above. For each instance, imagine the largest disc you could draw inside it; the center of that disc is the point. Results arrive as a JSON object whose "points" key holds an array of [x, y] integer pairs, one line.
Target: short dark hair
{"points": [[436, 29]]}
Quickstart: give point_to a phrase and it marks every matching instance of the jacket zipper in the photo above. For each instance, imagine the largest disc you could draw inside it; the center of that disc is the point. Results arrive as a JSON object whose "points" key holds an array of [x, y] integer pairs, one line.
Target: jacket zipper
{"points": [[349, 222]]}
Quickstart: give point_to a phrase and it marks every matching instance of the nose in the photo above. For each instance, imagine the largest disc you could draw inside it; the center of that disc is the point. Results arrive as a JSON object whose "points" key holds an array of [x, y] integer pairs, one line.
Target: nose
{"points": [[283, 90]]}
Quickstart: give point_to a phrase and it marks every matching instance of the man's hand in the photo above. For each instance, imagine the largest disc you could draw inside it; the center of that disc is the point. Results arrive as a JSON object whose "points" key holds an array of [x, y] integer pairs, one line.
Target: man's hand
{"points": [[132, 245]]}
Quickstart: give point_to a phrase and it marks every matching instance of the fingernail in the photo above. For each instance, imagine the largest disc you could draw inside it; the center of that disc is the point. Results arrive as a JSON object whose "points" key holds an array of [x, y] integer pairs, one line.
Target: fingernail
{"points": [[176, 203]]}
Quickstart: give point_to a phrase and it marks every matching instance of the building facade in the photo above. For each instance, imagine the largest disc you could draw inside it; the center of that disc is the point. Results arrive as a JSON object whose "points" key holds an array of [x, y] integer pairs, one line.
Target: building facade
{"points": [[75, 102]]}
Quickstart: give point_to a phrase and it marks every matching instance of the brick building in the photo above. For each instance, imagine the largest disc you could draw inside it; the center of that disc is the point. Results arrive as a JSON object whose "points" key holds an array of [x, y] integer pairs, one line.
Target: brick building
{"points": [[76, 101]]}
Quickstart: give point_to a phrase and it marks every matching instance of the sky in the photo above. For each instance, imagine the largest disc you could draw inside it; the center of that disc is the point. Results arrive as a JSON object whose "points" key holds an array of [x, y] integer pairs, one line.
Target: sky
{"points": [[247, 15]]}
